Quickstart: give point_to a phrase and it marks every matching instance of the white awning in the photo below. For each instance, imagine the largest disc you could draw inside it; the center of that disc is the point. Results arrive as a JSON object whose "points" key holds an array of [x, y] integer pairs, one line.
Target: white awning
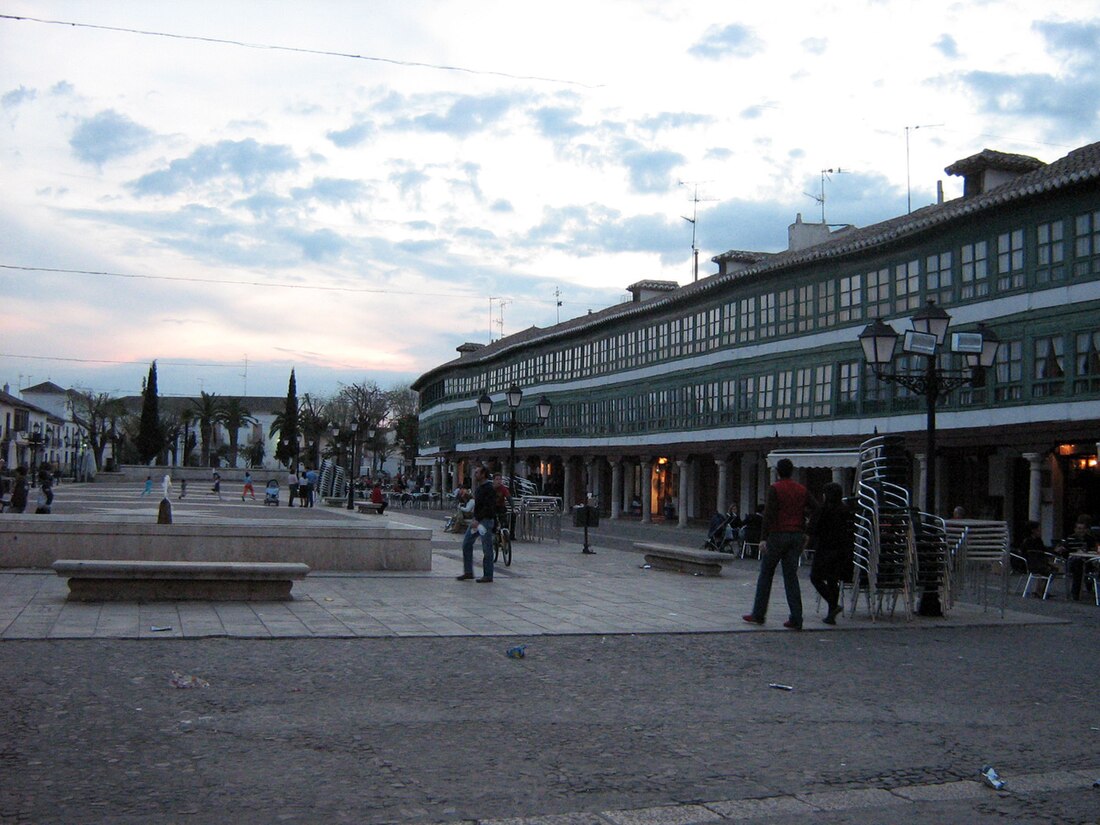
{"points": [[840, 457]]}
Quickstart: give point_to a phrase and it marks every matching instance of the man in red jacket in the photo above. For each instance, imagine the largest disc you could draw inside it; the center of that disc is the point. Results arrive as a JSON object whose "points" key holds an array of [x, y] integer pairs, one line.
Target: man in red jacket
{"points": [[782, 541]]}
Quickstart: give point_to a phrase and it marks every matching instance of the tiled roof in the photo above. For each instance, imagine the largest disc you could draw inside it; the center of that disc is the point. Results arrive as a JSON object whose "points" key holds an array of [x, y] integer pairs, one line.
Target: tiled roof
{"points": [[992, 159], [1079, 167]]}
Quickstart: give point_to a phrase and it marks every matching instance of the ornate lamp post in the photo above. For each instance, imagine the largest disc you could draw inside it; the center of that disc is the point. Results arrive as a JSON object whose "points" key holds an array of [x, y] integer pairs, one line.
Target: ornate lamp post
{"points": [[35, 439], [514, 397], [927, 338], [351, 461]]}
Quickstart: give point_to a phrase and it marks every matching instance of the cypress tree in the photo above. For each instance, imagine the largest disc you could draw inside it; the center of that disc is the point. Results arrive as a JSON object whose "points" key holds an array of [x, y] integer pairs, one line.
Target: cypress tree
{"points": [[150, 439], [288, 426]]}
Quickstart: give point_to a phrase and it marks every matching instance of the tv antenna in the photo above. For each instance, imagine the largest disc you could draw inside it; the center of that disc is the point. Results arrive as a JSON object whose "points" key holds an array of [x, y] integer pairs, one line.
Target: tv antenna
{"points": [[908, 189], [501, 304], [693, 221], [821, 198], [557, 299]]}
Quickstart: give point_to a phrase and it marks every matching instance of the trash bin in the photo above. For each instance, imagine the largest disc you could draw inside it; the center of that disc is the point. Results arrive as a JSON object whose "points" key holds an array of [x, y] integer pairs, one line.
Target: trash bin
{"points": [[584, 515]]}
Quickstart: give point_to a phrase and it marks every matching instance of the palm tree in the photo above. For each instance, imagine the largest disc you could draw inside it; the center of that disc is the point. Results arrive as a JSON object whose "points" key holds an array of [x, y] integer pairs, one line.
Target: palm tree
{"points": [[234, 416], [209, 413]]}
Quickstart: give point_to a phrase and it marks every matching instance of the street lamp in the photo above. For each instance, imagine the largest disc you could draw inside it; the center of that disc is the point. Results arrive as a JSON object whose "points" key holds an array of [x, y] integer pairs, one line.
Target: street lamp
{"points": [[351, 460], [36, 440], [927, 337], [514, 397]]}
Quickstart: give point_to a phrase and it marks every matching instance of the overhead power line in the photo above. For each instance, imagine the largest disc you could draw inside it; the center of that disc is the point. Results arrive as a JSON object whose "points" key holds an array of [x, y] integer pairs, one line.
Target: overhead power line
{"points": [[322, 52]]}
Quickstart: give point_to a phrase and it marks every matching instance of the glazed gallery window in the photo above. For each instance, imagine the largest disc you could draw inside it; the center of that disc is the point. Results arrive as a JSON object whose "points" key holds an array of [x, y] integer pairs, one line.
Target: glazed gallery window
{"points": [[787, 311], [907, 286], [826, 304], [767, 315], [1086, 371], [806, 307], [1010, 371], [1010, 260], [876, 293], [974, 272], [851, 298], [1049, 369], [1086, 247], [746, 319], [938, 280], [1050, 252]]}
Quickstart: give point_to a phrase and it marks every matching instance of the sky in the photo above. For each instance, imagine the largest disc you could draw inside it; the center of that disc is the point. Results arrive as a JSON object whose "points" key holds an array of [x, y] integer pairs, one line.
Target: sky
{"points": [[353, 189]]}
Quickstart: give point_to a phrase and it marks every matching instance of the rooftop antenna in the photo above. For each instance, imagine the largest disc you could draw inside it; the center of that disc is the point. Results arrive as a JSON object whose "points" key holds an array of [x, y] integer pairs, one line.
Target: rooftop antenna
{"points": [[692, 220], [244, 375], [501, 304], [491, 299], [557, 298], [908, 190], [821, 198]]}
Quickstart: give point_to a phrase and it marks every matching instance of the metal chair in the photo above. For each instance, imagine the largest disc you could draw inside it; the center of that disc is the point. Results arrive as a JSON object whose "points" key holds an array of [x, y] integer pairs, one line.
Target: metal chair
{"points": [[1040, 568]]}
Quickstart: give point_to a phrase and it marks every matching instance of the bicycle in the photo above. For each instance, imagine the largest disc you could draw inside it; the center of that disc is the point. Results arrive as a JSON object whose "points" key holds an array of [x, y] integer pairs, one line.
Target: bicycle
{"points": [[502, 543]]}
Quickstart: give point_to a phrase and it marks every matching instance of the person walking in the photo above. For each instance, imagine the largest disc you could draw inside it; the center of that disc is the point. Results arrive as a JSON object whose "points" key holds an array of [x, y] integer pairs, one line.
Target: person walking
{"points": [[782, 542], [292, 484], [183, 488], [248, 490], [831, 539], [217, 488], [20, 491], [148, 489], [485, 504], [311, 485], [166, 485]]}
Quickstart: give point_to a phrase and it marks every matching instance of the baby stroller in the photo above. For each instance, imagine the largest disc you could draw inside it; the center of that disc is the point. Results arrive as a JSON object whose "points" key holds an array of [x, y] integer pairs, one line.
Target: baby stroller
{"points": [[271, 493], [717, 538]]}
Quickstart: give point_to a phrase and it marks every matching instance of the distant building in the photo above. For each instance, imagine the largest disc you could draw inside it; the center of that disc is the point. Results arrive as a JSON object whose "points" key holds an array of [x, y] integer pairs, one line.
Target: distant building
{"points": [[676, 398]]}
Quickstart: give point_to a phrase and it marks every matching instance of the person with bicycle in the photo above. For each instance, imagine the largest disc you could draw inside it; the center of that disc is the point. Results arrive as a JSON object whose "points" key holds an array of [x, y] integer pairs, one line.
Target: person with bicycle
{"points": [[502, 538], [485, 504]]}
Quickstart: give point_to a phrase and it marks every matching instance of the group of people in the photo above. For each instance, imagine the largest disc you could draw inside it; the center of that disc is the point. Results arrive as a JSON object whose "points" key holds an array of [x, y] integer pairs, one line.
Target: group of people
{"points": [[21, 489], [487, 504], [1043, 560], [793, 521]]}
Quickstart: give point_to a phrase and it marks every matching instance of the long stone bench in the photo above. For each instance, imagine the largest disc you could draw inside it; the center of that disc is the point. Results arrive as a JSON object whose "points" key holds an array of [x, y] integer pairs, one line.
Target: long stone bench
{"points": [[369, 507], [341, 543], [683, 559], [120, 580]]}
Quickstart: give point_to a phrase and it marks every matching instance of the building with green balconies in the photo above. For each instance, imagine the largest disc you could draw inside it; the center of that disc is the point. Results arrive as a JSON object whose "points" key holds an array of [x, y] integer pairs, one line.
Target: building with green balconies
{"points": [[668, 406]]}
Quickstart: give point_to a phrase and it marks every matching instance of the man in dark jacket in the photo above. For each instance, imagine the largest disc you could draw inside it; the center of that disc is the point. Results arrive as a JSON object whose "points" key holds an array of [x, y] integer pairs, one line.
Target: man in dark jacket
{"points": [[485, 504], [19, 491]]}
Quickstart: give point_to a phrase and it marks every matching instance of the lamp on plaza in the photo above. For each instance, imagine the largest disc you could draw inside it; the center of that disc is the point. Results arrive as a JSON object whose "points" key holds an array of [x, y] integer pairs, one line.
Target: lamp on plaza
{"points": [[927, 338], [351, 461], [35, 439], [514, 397]]}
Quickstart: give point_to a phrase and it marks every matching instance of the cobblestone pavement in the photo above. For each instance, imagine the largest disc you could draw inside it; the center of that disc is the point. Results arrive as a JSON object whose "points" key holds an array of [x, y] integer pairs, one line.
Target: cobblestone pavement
{"points": [[885, 723]]}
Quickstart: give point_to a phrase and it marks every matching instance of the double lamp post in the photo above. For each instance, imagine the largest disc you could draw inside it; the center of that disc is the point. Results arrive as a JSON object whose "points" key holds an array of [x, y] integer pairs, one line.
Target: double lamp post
{"points": [[514, 397], [927, 338], [353, 430]]}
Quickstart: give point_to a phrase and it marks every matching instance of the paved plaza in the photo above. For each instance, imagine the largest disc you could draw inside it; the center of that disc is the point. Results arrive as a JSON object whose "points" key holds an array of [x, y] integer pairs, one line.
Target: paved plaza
{"points": [[642, 697]]}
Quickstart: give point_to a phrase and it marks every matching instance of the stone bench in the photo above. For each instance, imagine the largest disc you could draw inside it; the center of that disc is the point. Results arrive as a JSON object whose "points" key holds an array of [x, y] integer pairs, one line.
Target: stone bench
{"points": [[369, 507], [120, 580], [683, 559]]}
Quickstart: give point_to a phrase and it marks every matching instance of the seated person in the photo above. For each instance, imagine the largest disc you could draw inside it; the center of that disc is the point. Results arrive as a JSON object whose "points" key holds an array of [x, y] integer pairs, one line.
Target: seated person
{"points": [[463, 512], [1040, 560], [1080, 541], [376, 497]]}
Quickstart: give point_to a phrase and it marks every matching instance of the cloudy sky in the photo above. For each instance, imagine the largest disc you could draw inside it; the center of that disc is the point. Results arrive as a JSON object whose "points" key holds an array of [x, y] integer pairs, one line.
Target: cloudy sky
{"points": [[354, 188]]}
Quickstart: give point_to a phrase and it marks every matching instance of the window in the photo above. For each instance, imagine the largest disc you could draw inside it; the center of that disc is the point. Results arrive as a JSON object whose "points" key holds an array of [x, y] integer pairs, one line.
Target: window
{"points": [[851, 298], [1009, 371], [1086, 371], [1049, 371], [746, 399], [1086, 248], [823, 390], [1050, 252], [877, 293], [803, 392], [746, 320], [765, 395], [674, 338], [1010, 260], [826, 304], [974, 273], [784, 394], [728, 400], [767, 315], [729, 323], [805, 307], [662, 342], [874, 391], [907, 286], [847, 391], [714, 328], [938, 278], [787, 311]]}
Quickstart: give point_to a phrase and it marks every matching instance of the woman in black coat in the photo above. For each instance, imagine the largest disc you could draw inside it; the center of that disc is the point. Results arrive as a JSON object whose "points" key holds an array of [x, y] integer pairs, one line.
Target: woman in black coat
{"points": [[831, 539]]}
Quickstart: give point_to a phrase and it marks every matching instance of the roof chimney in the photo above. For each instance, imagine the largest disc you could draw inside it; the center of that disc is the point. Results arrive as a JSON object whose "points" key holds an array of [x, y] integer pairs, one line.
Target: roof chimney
{"points": [[989, 169]]}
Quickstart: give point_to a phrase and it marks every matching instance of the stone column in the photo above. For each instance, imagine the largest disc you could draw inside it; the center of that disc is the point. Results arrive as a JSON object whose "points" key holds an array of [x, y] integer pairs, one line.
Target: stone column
{"points": [[746, 504], [592, 471], [682, 503], [616, 486], [1035, 485], [645, 464], [437, 477], [722, 499], [567, 483]]}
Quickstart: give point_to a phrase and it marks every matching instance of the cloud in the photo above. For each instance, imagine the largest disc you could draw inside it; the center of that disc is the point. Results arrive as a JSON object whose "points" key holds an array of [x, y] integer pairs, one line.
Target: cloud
{"points": [[464, 116], [733, 40], [352, 136], [557, 122], [17, 97], [322, 244], [62, 88], [246, 160], [947, 46], [332, 190], [815, 45], [264, 204], [501, 205], [674, 120], [409, 181], [651, 170], [106, 136], [1067, 100], [595, 230]]}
